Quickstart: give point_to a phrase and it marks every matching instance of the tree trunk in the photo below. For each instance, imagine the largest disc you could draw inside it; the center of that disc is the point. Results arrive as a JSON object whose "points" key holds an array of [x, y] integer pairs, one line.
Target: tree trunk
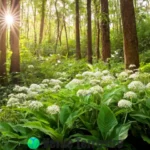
{"points": [[2, 45], [89, 32], [97, 22], [78, 51], [105, 31], [58, 27], [14, 39], [42, 21], [130, 35]]}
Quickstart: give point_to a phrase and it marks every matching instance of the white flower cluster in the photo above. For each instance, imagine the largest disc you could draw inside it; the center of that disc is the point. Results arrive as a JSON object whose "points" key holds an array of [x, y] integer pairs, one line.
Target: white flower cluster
{"points": [[82, 92], [93, 90], [95, 82], [123, 75], [13, 102], [124, 103], [35, 105], [73, 83], [54, 109], [35, 88], [96, 89], [18, 88], [105, 72], [132, 66], [107, 80], [130, 95], [30, 67], [88, 74], [111, 86], [148, 86], [136, 86], [134, 75]]}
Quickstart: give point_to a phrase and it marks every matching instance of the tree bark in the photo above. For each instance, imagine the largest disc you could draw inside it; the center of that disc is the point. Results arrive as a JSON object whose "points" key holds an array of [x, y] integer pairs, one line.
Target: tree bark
{"points": [[89, 32], [105, 31], [42, 21], [14, 39], [2, 45], [131, 55], [78, 50]]}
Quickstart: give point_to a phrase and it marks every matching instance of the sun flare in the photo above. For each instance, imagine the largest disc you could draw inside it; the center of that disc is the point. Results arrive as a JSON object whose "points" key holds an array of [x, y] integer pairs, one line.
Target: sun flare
{"points": [[9, 19]]}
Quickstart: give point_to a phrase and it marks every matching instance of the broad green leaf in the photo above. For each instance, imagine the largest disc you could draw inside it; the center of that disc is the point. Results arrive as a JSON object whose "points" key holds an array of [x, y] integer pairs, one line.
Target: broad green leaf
{"points": [[120, 132], [64, 114], [45, 129], [141, 117], [5, 127], [148, 103], [145, 138], [10, 146], [106, 121]]}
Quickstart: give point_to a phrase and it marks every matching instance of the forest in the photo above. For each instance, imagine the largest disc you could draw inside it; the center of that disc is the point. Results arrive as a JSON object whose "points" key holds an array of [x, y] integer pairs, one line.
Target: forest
{"points": [[74, 74]]}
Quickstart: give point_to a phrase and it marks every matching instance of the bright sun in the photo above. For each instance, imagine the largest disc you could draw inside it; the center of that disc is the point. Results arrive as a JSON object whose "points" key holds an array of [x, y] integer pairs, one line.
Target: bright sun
{"points": [[9, 19]]}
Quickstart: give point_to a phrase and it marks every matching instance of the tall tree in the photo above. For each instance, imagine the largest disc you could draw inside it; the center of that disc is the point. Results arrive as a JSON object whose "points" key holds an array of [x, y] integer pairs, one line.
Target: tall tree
{"points": [[105, 31], [97, 22], [89, 32], [42, 20], [130, 35], [14, 38], [2, 43], [78, 51]]}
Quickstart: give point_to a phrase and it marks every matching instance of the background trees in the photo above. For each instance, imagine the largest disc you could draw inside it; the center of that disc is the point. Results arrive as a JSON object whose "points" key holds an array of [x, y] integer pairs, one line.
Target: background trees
{"points": [[130, 34], [93, 29]]}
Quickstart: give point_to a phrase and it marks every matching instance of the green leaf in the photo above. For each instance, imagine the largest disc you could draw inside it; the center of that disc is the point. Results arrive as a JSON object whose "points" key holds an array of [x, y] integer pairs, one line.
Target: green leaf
{"points": [[64, 114], [120, 132], [5, 127], [145, 138], [148, 103], [45, 129], [106, 121]]}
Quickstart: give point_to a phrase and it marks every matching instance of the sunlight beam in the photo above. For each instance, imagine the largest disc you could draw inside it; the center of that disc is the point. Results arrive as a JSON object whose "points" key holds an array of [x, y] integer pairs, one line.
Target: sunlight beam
{"points": [[9, 20]]}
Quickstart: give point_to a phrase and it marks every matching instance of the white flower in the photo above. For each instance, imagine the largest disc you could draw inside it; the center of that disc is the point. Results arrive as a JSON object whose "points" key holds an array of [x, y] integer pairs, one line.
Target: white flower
{"points": [[129, 71], [124, 103], [94, 82], [54, 109], [83, 92], [105, 72], [57, 87], [136, 86], [134, 75], [130, 95], [88, 74], [30, 66], [35, 87], [148, 86], [18, 88], [111, 86], [96, 89], [73, 83], [46, 81], [13, 102], [11, 95], [78, 75], [55, 82], [32, 94], [35, 105], [43, 86], [107, 80], [58, 61], [21, 96], [98, 74], [123, 75], [132, 66]]}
